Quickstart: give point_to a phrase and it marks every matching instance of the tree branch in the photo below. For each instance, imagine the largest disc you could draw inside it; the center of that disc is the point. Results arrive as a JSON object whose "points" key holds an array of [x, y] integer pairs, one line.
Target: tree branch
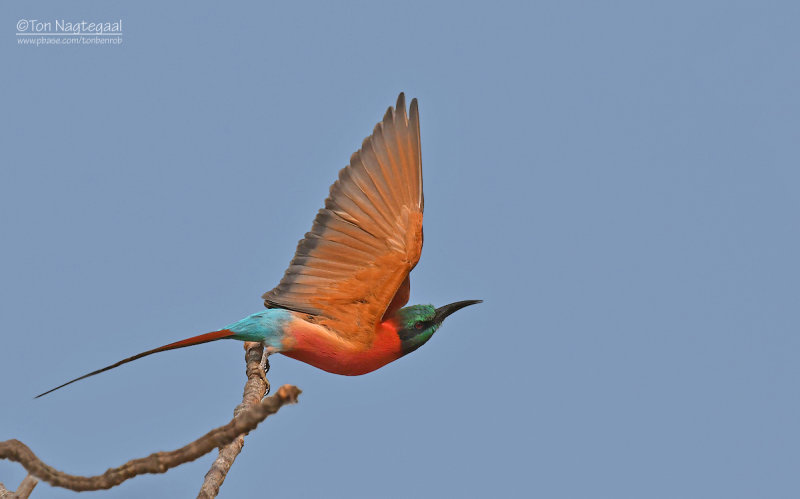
{"points": [[23, 491], [159, 462], [254, 390]]}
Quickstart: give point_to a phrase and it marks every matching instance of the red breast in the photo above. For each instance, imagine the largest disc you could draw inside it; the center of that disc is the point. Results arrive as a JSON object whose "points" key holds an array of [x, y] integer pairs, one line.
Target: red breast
{"points": [[325, 349]]}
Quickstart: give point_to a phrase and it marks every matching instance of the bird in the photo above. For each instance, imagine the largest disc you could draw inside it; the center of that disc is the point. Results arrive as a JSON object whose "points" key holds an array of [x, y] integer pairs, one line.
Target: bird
{"points": [[340, 305]]}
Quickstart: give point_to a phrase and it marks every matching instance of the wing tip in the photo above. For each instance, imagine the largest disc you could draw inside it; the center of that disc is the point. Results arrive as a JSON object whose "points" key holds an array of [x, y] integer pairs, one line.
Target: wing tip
{"points": [[399, 110], [401, 101]]}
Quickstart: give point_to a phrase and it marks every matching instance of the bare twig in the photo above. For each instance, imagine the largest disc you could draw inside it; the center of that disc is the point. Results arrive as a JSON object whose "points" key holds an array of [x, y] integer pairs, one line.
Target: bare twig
{"points": [[23, 491], [158, 462], [254, 390]]}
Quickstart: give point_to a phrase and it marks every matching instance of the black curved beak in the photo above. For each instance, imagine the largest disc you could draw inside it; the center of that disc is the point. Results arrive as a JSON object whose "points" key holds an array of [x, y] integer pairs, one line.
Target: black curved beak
{"points": [[443, 312]]}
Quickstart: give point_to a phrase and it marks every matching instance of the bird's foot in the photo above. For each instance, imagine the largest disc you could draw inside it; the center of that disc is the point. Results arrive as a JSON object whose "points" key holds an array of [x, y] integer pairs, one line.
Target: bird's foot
{"points": [[265, 367]]}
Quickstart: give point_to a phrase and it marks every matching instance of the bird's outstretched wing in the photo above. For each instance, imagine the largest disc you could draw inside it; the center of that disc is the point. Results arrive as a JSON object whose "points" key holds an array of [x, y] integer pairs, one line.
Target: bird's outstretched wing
{"points": [[352, 268]]}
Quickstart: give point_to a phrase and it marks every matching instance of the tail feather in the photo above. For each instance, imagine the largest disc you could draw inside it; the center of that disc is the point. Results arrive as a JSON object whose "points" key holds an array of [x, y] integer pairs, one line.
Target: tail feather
{"points": [[194, 340]]}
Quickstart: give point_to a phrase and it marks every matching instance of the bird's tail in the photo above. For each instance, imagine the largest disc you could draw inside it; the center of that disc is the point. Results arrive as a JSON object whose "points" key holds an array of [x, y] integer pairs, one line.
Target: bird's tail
{"points": [[194, 340]]}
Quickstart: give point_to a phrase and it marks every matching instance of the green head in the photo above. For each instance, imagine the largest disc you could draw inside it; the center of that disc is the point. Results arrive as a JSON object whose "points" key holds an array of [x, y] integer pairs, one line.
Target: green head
{"points": [[417, 323]]}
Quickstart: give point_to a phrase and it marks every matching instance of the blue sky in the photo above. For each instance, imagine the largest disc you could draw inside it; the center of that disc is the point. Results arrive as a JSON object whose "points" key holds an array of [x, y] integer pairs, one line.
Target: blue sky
{"points": [[618, 182]]}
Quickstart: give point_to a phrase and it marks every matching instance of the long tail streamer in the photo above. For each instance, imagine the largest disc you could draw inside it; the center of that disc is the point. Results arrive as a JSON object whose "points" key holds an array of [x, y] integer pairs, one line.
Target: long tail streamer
{"points": [[194, 340]]}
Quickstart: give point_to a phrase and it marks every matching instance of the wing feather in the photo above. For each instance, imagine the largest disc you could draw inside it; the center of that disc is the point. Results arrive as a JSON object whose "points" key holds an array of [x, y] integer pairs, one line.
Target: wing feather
{"points": [[353, 266]]}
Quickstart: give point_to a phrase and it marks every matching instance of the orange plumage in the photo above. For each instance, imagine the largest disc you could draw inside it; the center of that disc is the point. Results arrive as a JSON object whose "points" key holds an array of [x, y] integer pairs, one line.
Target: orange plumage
{"points": [[352, 269]]}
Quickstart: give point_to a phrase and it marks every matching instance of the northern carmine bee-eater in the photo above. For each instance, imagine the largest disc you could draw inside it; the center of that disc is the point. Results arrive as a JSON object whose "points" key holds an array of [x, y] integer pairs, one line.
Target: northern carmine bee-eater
{"points": [[340, 304]]}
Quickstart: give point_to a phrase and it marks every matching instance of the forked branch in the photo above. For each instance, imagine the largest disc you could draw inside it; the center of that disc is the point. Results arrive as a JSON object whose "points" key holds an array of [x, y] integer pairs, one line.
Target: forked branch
{"points": [[255, 389], [251, 413], [23, 491]]}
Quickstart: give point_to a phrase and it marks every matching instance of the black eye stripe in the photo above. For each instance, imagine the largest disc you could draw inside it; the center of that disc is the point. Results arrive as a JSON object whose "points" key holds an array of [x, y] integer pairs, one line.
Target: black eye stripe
{"points": [[413, 330]]}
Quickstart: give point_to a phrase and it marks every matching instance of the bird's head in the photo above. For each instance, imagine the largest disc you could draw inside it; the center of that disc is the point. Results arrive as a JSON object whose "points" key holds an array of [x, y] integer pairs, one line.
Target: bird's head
{"points": [[417, 323]]}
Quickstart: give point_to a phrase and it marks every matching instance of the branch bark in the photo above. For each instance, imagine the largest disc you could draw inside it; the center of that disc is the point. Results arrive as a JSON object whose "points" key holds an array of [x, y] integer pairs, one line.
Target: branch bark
{"points": [[251, 414]]}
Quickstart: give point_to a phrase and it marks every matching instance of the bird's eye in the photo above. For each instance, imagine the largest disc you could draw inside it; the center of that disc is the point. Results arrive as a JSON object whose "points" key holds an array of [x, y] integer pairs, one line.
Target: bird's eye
{"points": [[418, 325]]}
